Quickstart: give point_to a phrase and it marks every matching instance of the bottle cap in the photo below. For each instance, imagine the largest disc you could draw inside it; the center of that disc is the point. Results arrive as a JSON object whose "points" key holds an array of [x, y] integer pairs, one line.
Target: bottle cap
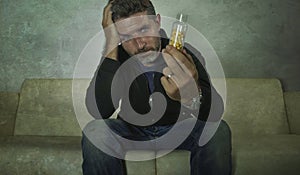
{"points": [[182, 17]]}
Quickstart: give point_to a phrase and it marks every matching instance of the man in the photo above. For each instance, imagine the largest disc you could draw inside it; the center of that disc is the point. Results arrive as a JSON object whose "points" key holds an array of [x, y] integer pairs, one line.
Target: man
{"points": [[134, 40]]}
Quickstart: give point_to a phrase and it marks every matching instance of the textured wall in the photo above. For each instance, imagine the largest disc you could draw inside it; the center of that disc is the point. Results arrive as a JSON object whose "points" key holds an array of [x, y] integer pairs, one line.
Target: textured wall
{"points": [[252, 38]]}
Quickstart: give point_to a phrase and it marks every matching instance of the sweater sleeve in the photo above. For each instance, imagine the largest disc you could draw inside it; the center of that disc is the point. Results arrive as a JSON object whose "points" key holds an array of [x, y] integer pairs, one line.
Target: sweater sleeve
{"points": [[212, 106], [98, 100]]}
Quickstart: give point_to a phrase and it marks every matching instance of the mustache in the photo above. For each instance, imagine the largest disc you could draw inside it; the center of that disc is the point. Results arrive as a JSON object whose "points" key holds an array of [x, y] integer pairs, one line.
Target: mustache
{"points": [[144, 50]]}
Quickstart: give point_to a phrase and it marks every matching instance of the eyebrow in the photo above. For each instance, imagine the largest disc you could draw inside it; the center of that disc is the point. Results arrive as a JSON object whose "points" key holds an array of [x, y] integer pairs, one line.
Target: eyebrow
{"points": [[142, 27]]}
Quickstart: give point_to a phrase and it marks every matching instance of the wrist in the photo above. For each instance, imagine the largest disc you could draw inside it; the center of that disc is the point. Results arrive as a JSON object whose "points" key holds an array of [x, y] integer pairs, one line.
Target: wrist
{"points": [[111, 53], [195, 102], [111, 45]]}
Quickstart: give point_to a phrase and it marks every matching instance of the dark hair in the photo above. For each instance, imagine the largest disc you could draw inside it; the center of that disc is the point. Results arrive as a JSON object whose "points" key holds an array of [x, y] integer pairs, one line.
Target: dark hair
{"points": [[126, 8]]}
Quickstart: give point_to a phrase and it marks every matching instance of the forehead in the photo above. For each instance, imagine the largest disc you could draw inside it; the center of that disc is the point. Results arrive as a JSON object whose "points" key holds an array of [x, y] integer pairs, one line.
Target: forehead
{"points": [[132, 23]]}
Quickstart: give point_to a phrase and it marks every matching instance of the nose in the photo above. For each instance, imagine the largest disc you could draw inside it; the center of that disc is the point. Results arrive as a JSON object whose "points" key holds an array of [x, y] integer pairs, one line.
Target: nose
{"points": [[140, 43]]}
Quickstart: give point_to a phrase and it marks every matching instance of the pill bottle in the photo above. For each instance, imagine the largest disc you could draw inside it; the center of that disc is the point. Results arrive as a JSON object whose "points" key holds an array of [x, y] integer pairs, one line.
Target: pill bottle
{"points": [[178, 32]]}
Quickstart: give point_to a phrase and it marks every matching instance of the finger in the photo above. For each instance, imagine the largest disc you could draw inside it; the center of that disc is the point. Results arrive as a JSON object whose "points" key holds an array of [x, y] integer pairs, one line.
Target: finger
{"points": [[188, 56], [172, 64], [187, 65], [170, 75], [107, 8], [183, 60], [107, 14], [167, 71], [193, 70], [169, 86], [179, 56]]}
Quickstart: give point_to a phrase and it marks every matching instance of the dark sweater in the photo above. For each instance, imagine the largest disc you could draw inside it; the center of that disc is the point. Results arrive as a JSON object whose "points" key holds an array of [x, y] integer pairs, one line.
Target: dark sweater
{"points": [[100, 103]]}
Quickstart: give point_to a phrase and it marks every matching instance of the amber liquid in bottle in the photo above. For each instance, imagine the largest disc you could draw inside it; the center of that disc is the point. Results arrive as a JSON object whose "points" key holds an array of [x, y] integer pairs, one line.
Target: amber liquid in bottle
{"points": [[178, 32]]}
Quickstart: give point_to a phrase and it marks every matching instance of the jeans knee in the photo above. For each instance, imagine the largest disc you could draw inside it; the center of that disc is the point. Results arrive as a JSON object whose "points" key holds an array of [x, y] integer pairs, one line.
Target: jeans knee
{"points": [[221, 137], [94, 124], [225, 129]]}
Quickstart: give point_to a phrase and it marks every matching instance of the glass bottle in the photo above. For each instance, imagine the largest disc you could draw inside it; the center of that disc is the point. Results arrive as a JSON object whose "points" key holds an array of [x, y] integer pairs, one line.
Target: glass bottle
{"points": [[178, 32]]}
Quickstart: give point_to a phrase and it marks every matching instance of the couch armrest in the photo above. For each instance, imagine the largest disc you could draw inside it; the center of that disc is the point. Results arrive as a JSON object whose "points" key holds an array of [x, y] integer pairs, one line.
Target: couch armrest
{"points": [[292, 102], [8, 109]]}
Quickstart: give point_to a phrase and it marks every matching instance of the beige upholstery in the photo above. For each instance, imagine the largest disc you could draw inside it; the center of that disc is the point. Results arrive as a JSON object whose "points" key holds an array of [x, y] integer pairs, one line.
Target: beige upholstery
{"points": [[46, 108], [8, 108], [255, 106], [174, 163], [47, 133], [267, 154], [292, 101], [33, 155], [146, 167]]}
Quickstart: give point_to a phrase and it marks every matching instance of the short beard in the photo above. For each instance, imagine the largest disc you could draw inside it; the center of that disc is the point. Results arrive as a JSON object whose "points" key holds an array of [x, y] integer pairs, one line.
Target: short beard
{"points": [[149, 59]]}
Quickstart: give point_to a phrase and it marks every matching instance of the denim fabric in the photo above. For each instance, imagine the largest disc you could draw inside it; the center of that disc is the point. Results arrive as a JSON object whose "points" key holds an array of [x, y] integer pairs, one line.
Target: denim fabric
{"points": [[213, 158]]}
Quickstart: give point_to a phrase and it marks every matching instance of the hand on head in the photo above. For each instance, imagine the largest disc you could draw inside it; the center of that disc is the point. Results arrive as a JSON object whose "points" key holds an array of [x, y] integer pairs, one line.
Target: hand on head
{"points": [[111, 33]]}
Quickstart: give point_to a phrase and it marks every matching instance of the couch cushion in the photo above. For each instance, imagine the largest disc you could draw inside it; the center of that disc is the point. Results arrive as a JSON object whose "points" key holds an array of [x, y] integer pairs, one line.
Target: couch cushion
{"points": [[176, 162], [29, 155], [173, 163], [46, 108], [255, 106], [146, 167], [8, 109], [262, 155], [292, 102]]}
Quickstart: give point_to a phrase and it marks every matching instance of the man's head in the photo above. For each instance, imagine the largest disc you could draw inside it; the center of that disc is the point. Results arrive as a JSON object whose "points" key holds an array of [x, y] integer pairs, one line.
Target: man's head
{"points": [[125, 8], [138, 28]]}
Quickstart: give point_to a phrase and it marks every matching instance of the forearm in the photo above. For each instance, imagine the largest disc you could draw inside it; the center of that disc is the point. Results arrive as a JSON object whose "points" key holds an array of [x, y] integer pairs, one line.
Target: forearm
{"points": [[212, 106], [111, 34], [98, 99]]}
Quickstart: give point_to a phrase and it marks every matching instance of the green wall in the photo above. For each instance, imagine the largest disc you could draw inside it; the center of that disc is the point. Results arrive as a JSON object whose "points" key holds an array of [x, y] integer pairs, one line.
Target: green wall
{"points": [[253, 38]]}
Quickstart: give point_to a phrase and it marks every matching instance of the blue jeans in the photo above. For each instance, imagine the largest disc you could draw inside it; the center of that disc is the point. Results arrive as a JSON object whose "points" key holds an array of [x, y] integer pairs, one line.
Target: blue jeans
{"points": [[213, 158]]}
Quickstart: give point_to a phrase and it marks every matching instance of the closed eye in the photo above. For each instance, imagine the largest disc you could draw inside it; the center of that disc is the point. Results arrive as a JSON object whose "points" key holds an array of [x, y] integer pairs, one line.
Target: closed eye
{"points": [[144, 29], [124, 37]]}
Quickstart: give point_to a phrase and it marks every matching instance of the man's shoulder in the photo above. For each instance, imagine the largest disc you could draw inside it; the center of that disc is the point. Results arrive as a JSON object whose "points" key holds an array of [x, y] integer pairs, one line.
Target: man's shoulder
{"points": [[195, 53]]}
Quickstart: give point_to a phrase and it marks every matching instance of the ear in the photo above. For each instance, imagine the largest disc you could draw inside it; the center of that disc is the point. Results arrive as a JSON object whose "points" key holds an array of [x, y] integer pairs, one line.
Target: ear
{"points": [[158, 20]]}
